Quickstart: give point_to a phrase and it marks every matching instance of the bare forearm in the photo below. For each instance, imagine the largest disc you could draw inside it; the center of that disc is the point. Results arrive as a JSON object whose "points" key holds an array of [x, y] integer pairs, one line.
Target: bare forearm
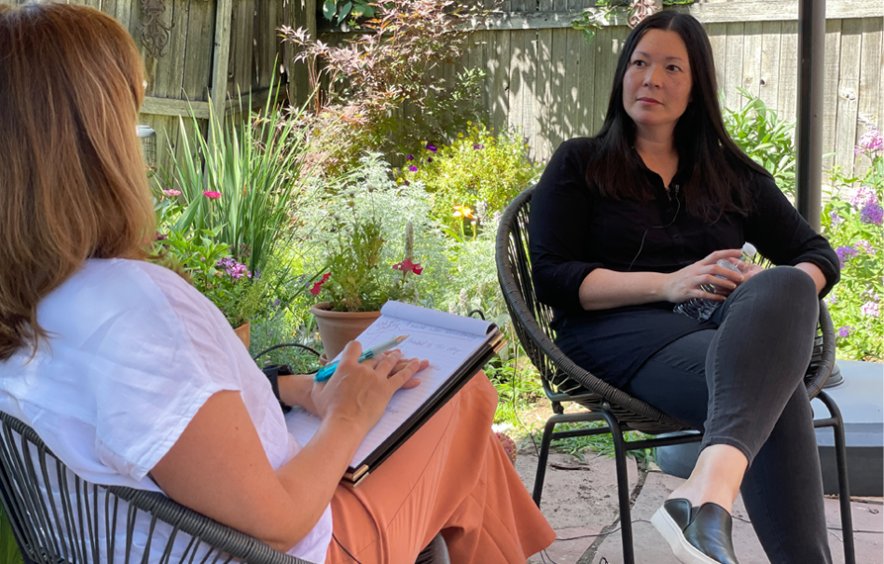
{"points": [[814, 272], [606, 289], [311, 477]]}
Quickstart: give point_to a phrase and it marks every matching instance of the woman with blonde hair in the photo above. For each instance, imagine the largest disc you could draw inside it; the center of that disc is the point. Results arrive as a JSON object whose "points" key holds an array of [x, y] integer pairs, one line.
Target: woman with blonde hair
{"points": [[132, 378]]}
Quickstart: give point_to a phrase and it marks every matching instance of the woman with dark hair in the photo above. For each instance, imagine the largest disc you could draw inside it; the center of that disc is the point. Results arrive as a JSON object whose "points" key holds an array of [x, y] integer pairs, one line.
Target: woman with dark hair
{"points": [[133, 378], [631, 222]]}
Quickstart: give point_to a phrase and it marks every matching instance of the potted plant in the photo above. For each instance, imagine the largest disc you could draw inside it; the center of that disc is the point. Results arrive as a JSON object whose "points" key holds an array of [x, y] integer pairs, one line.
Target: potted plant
{"points": [[209, 267], [358, 282]]}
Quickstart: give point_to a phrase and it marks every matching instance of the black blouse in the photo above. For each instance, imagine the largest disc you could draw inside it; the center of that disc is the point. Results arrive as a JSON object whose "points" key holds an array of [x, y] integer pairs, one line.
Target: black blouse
{"points": [[574, 230]]}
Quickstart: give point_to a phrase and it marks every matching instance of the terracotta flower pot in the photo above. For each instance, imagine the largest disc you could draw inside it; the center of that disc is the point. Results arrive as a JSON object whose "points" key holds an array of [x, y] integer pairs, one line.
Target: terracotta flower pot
{"points": [[337, 328], [244, 333]]}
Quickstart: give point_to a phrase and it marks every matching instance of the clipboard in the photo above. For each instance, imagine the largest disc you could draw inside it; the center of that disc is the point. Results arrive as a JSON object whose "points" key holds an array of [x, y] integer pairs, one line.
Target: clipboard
{"points": [[457, 347], [355, 476]]}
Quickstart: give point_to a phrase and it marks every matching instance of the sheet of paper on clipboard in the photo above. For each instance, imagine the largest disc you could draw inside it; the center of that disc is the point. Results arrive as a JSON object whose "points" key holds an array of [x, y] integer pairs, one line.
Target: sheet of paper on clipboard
{"points": [[457, 348]]}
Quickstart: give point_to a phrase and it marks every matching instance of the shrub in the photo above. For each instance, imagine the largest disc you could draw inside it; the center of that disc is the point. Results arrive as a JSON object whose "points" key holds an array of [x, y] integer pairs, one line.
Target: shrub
{"points": [[384, 86], [481, 170], [244, 186], [766, 139], [370, 217], [852, 222]]}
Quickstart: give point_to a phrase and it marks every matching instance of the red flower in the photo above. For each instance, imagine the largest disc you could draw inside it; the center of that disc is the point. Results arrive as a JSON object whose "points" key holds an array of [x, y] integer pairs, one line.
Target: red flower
{"points": [[408, 266], [212, 195], [317, 286]]}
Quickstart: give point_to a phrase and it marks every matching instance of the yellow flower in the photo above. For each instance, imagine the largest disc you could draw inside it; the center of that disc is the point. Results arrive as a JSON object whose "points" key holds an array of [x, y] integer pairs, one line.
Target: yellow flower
{"points": [[469, 123], [399, 180], [460, 134]]}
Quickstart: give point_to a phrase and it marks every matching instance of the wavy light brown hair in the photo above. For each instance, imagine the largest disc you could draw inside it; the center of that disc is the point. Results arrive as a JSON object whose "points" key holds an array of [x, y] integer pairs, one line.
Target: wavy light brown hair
{"points": [[72, 179]]}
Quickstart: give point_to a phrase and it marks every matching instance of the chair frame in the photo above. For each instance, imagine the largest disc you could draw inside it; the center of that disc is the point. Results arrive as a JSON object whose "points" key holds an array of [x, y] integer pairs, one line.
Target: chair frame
{"points": [[563, 381], [47, 534]]}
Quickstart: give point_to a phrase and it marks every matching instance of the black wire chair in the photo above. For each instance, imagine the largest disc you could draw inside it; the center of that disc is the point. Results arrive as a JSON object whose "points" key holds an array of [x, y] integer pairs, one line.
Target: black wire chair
{"points": [[79, 524], [563, 381]]}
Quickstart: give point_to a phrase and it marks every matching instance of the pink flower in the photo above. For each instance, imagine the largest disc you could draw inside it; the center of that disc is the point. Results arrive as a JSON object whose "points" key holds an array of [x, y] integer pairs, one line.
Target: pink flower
{"points": [[317, 286], [864, 195], [408, 266], [212, 195], [172, 193], [870, 309], [871, 140]]}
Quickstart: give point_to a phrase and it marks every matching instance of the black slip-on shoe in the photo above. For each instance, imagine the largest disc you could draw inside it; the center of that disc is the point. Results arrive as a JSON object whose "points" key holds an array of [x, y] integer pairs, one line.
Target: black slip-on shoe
{"points": [[697, 535]]}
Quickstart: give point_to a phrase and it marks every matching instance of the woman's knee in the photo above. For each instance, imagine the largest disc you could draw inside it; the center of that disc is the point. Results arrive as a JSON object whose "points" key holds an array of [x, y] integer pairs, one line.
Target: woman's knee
{"points": [[784, 287]]}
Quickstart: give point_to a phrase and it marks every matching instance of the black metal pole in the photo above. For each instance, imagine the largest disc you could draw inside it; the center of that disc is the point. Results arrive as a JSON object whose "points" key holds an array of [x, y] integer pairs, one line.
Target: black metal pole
{"points": [[811, 58]]}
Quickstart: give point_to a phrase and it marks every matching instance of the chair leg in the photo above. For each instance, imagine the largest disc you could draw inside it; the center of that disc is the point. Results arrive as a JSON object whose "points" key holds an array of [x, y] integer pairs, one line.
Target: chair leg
{"points": [[843, 484], [542, 459], [622, 488]]}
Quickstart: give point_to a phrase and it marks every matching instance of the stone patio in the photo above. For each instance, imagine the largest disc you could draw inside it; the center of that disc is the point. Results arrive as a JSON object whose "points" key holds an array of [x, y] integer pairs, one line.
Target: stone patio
{"points": [[580, 502]]}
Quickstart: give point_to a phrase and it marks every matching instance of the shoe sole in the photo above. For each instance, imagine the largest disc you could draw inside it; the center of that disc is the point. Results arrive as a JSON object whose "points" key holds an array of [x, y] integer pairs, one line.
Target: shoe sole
{"points": [[672, 533]]}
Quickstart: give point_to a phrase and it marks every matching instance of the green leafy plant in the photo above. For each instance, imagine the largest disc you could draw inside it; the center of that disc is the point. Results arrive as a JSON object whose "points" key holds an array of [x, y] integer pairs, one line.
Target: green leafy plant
{"points": [[373, 240], [481, 171], [338, 10], [9, 552], [852, 220], [243, 187], [765, 138], [384, 89], [208, 266]]}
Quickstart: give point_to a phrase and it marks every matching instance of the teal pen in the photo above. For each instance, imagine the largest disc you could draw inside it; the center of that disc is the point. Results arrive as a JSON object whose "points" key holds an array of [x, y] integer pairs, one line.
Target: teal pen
{"points": [[326, 371]]}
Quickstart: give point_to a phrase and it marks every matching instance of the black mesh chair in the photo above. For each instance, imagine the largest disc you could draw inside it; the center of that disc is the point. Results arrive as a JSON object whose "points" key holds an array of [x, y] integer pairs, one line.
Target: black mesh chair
{"points": [[563, 381], [78, 526]]}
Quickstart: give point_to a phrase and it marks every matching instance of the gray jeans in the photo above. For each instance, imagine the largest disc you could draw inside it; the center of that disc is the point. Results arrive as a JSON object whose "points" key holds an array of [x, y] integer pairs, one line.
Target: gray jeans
{"points": [[743, 385]]}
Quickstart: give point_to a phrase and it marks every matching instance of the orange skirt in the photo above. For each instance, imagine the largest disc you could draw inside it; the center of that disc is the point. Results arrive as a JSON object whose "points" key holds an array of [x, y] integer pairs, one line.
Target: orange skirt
{"points": [[451, 476]]}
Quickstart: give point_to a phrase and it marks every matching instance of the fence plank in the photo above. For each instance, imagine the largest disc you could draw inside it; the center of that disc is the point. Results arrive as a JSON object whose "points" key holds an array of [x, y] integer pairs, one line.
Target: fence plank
{"points": [[871, 77], [848, 92], [831, 68], [605, 63], [770, 59], [752, 56], [547, 124], [500, 44], [787, 90], [733, 72], [564, 69], [584, 91], [718, 39], [170, 67], [198, 57]]}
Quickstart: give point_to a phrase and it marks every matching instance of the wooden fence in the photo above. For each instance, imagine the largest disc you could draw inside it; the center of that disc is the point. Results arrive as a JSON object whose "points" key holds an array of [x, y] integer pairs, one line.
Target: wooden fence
{"points": [[546, 79], [197, 50], [543, 77]]}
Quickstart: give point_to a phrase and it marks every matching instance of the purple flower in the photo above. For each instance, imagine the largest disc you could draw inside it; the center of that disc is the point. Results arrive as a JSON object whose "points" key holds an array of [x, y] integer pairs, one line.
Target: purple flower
{"points": [[233, 269], [872, 213], [845, 331], [870, 309], [410, 157], [863, 196], [478, 146], [845, 253], [431, 148], [865, 246], [429, 159], [412, 168], [836, 219]]}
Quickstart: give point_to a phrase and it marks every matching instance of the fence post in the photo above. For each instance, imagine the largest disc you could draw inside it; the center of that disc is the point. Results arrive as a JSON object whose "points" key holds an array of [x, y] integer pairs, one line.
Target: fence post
{"points": [[221, 59]]}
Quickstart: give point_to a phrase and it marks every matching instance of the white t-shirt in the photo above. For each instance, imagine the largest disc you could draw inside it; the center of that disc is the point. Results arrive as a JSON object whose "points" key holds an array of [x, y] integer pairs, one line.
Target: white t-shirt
{"points": [[134, 352]]}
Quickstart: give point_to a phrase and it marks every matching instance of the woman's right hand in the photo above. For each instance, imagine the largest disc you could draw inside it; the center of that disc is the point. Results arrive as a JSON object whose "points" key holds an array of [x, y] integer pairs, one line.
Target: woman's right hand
{"points": [[685, 284], [359, 392]]}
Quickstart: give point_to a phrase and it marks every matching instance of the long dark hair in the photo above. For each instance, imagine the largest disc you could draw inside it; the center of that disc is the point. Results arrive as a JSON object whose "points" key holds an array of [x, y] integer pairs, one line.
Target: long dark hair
{"points": [[721, 171]]}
